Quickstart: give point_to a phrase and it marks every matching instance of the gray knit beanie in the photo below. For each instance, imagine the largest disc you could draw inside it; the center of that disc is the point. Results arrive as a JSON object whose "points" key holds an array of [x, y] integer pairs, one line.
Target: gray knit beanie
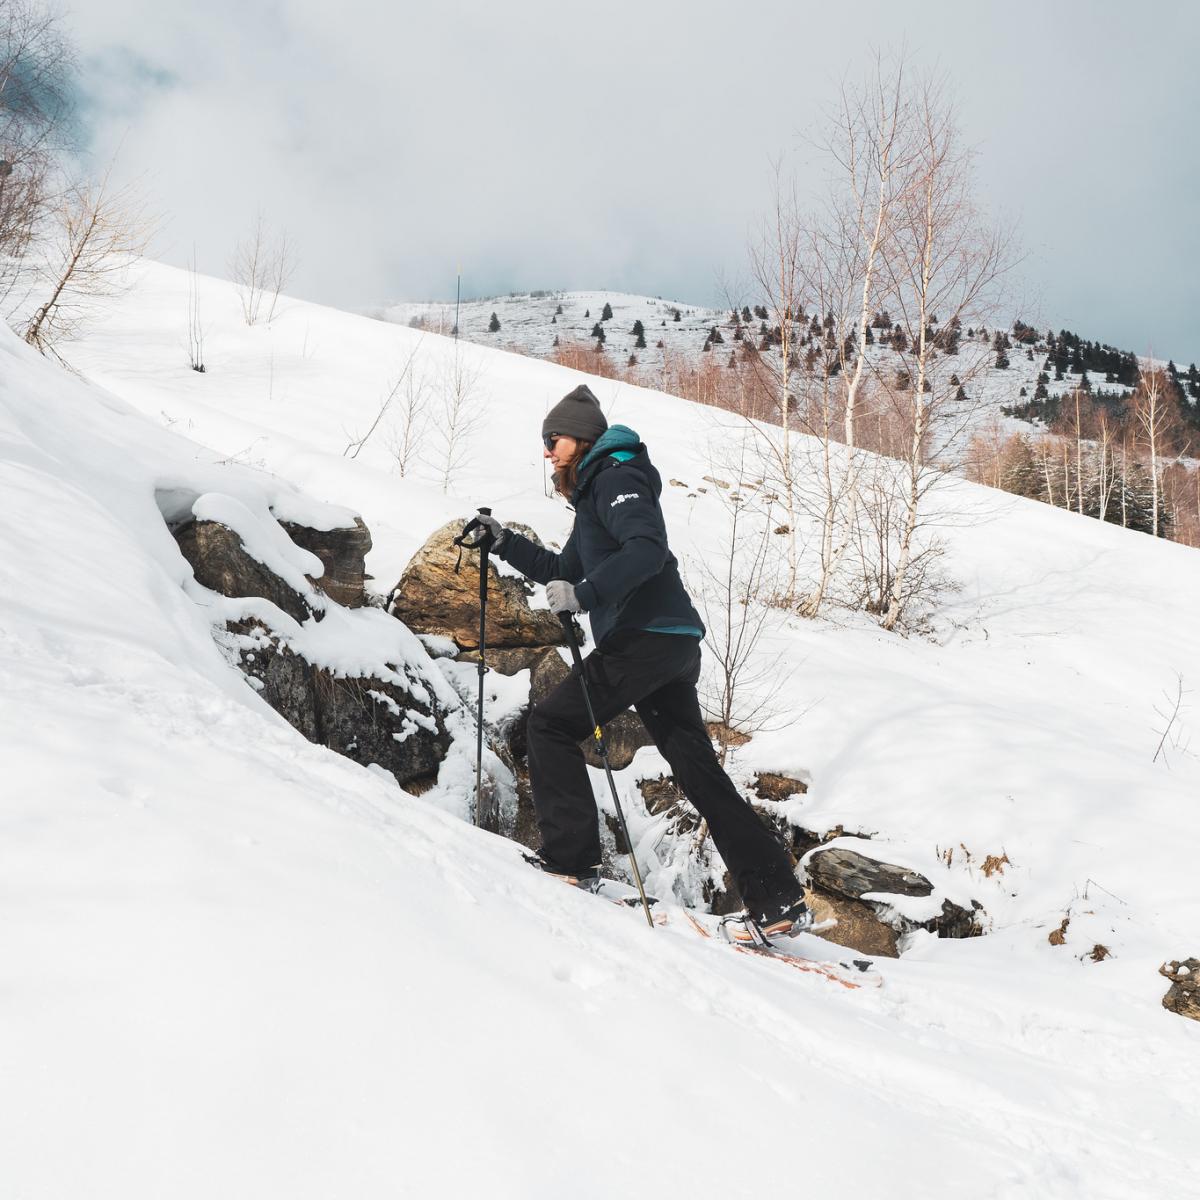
{"points": [[577, 415]]}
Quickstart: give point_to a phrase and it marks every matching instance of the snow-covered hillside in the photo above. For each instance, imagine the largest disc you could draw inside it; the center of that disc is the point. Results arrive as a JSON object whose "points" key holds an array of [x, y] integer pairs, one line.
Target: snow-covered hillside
{"points": [[535, 323], [233, 963]]}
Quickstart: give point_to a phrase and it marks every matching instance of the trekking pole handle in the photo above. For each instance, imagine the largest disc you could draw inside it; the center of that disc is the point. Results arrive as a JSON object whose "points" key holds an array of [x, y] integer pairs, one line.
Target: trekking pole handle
{"points": [[485, 538]]}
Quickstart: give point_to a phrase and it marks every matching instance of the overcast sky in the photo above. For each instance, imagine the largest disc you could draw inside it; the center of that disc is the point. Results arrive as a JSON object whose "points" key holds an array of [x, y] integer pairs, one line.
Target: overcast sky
{"points": [[626, 145]]}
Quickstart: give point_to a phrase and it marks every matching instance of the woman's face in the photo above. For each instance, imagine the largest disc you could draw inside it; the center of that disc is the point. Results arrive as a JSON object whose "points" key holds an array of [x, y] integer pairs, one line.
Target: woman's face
{"points": [[563, 452]]}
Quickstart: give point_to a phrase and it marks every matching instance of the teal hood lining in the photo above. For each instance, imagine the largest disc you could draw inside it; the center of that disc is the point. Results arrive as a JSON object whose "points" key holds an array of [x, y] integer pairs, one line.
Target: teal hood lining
{"points": [[614, 438]]}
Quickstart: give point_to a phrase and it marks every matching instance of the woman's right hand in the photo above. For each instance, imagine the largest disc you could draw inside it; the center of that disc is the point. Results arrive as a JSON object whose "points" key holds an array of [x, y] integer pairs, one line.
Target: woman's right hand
{"points": [[498, 533]]}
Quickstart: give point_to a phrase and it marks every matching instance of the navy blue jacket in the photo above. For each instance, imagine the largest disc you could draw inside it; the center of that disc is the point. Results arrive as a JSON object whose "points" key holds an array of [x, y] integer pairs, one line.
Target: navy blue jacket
{"points": [[617, 557]]}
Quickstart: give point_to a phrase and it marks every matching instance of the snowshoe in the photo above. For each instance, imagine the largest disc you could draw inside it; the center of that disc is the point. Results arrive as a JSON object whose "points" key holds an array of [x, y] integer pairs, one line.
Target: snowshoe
{"points": [[760, 929]]}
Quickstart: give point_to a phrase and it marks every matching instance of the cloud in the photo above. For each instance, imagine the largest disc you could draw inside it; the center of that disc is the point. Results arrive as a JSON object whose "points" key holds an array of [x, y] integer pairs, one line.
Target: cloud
{"points": [[628, 145]]}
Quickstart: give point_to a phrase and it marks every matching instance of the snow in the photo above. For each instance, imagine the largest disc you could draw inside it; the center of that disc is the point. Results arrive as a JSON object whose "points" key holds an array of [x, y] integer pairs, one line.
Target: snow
{"points": [[233, 963]]}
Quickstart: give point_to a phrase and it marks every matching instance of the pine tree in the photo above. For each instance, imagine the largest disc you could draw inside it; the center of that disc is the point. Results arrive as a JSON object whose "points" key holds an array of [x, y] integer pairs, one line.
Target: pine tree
{"points": [[558, 311], [606, 315], [714, 336], [598, 332], [587, 314], [675, 315], [494, 324], [639, 332]]}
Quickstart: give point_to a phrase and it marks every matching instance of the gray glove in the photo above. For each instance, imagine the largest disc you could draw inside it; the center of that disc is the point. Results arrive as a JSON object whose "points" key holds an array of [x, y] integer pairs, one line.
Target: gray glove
{"points": [[561, 595], [498, 532]]}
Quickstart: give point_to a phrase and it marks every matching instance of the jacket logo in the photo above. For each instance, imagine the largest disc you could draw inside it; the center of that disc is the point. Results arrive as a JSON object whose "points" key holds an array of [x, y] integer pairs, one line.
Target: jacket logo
{"points": [[622, 499]]}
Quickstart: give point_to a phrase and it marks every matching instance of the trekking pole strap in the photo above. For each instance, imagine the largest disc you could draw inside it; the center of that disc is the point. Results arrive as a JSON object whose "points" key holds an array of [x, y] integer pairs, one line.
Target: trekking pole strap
{"points": [[482, 543]]}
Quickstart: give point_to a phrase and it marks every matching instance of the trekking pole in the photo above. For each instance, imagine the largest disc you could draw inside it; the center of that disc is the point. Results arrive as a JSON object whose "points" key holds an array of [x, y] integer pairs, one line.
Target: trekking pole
{"points": [[598, 734], [483, 544]]}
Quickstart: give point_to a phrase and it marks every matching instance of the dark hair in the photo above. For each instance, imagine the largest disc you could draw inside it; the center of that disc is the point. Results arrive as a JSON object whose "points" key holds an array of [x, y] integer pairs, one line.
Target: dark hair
{"points": [[567, 479]]}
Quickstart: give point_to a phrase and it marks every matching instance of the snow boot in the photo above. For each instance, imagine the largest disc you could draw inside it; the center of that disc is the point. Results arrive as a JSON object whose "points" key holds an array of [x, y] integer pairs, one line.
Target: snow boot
{"points": [[778, 920], [587, 879]]}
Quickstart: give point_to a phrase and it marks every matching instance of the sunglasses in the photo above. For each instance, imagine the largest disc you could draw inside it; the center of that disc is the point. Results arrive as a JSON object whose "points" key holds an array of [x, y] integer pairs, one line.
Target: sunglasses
{"points": [[549, 439]]}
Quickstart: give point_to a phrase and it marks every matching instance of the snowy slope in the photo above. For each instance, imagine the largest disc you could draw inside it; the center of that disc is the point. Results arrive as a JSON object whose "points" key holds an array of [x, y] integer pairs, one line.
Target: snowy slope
{"points": [[530, 322], [234, 964]]}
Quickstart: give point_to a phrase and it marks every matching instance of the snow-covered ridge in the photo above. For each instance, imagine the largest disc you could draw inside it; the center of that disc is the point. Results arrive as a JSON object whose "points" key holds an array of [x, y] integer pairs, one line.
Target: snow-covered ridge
{"points": [[291, 978]]}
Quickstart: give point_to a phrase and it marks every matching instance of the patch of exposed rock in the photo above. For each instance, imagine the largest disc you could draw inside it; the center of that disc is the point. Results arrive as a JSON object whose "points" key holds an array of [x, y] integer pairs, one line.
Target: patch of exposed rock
{"points": [[366, 718], [439, 594], [838, 878], [1183, 996], [390, 719], [841, 875], [343, 554]]}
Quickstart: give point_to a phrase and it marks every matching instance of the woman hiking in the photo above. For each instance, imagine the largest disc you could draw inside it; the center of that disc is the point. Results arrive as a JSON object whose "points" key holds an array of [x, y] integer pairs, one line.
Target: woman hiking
{"points": [[617, 567]]}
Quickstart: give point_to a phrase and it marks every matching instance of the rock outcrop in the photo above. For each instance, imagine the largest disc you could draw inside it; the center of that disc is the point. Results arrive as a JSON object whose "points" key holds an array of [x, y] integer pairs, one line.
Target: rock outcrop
{"points": [[850, 874], [1183, 996], [343, 553], [220, 563], [439, 594], [389, 719], [841, 876], [366, 718]]}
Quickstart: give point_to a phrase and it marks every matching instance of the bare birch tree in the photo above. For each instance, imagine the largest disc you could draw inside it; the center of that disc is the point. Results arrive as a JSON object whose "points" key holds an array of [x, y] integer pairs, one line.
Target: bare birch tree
{"points": [[942, 260], [394, 388], [261, 266], [99, 231], [410, 422], [1153, 414], [736, 586], [460, 416], [870, 150], [195, 327], [36, 68]]}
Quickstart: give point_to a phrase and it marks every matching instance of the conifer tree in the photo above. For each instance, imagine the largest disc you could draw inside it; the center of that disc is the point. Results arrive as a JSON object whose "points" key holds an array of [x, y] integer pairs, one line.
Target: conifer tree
{"points": [[606, 315], [494, 324]]}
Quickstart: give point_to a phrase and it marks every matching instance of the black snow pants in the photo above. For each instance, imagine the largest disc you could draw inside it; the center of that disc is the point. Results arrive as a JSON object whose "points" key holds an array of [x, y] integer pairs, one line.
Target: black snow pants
{"points": [[657, 674]]}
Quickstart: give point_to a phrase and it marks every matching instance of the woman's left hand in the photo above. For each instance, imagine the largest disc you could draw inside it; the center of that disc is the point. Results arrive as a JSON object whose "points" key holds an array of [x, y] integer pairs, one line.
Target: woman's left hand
{"points": [[561, 595]]}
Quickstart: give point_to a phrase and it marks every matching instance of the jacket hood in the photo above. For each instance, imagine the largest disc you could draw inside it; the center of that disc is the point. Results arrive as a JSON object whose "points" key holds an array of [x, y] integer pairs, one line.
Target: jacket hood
{"points": [[618, 439], [615, 437]]}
